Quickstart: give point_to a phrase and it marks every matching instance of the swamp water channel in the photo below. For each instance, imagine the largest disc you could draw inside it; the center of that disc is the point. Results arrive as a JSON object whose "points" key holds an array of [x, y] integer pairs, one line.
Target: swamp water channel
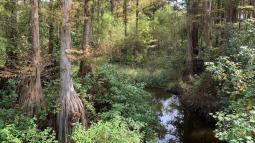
{"points": [[177, 124]]}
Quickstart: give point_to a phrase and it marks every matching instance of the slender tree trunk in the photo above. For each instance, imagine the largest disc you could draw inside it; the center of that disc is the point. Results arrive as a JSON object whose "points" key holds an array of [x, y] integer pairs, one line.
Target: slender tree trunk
{"points": [[92, 14], [189, 53], [137, 16], [33, 94], [98, 7], [125, 17], [87, 26], [12, 35], [112, 6], [208, 23], [217, 21], [51, 30], [72, 109], [252, 2], [85, 67]]}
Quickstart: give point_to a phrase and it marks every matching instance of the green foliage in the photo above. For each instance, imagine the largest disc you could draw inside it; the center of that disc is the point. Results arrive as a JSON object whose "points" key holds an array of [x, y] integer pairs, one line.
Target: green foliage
{"points": [[112, 92], [155, 55], [237, 127], [236, 76], [51, 103], [16, 127], [237, 123], [243, 37], [148, 75], [229, 46], [157, 41], [8, 95], [166, 30], [130, 51], [116, 130], [108, 30], [24, 129], [2, 50], [228, 73], [3, 41], [133, 48]]}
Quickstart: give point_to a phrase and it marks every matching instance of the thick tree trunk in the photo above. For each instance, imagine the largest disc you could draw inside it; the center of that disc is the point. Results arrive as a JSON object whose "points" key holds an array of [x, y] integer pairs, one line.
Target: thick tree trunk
{"points": [[32, 96], [12, 35], [72, 109], [85, 67], [231, 7], [192, 49], [193, 37]]}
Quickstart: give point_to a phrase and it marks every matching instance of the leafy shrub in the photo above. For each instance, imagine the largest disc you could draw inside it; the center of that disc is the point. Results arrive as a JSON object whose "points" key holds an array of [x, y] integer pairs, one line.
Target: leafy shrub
{"points": [[51, 103], [8, 95], [115, 130], [23, 129], [236, 123], [2, 51], [236, 75], [112, 92]]}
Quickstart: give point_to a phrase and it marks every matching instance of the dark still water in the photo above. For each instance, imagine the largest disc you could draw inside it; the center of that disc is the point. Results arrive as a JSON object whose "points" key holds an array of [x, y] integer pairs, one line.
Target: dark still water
{"points": [[177, 124]]}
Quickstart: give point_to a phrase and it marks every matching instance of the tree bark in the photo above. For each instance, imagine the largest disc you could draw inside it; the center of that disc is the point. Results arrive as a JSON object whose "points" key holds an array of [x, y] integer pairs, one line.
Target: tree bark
{"points": [[189, 53], [87, 26], [125, 17], [72, 109], [85, 67], [208, 22], [192, 37], [231, 7], [252, 2], [137, 16], [32, 96]]}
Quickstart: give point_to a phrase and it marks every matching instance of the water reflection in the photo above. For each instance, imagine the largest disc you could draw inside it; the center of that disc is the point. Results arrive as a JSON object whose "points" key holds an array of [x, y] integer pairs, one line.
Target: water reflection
{"points": [[168, 115], [178, 125]]}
